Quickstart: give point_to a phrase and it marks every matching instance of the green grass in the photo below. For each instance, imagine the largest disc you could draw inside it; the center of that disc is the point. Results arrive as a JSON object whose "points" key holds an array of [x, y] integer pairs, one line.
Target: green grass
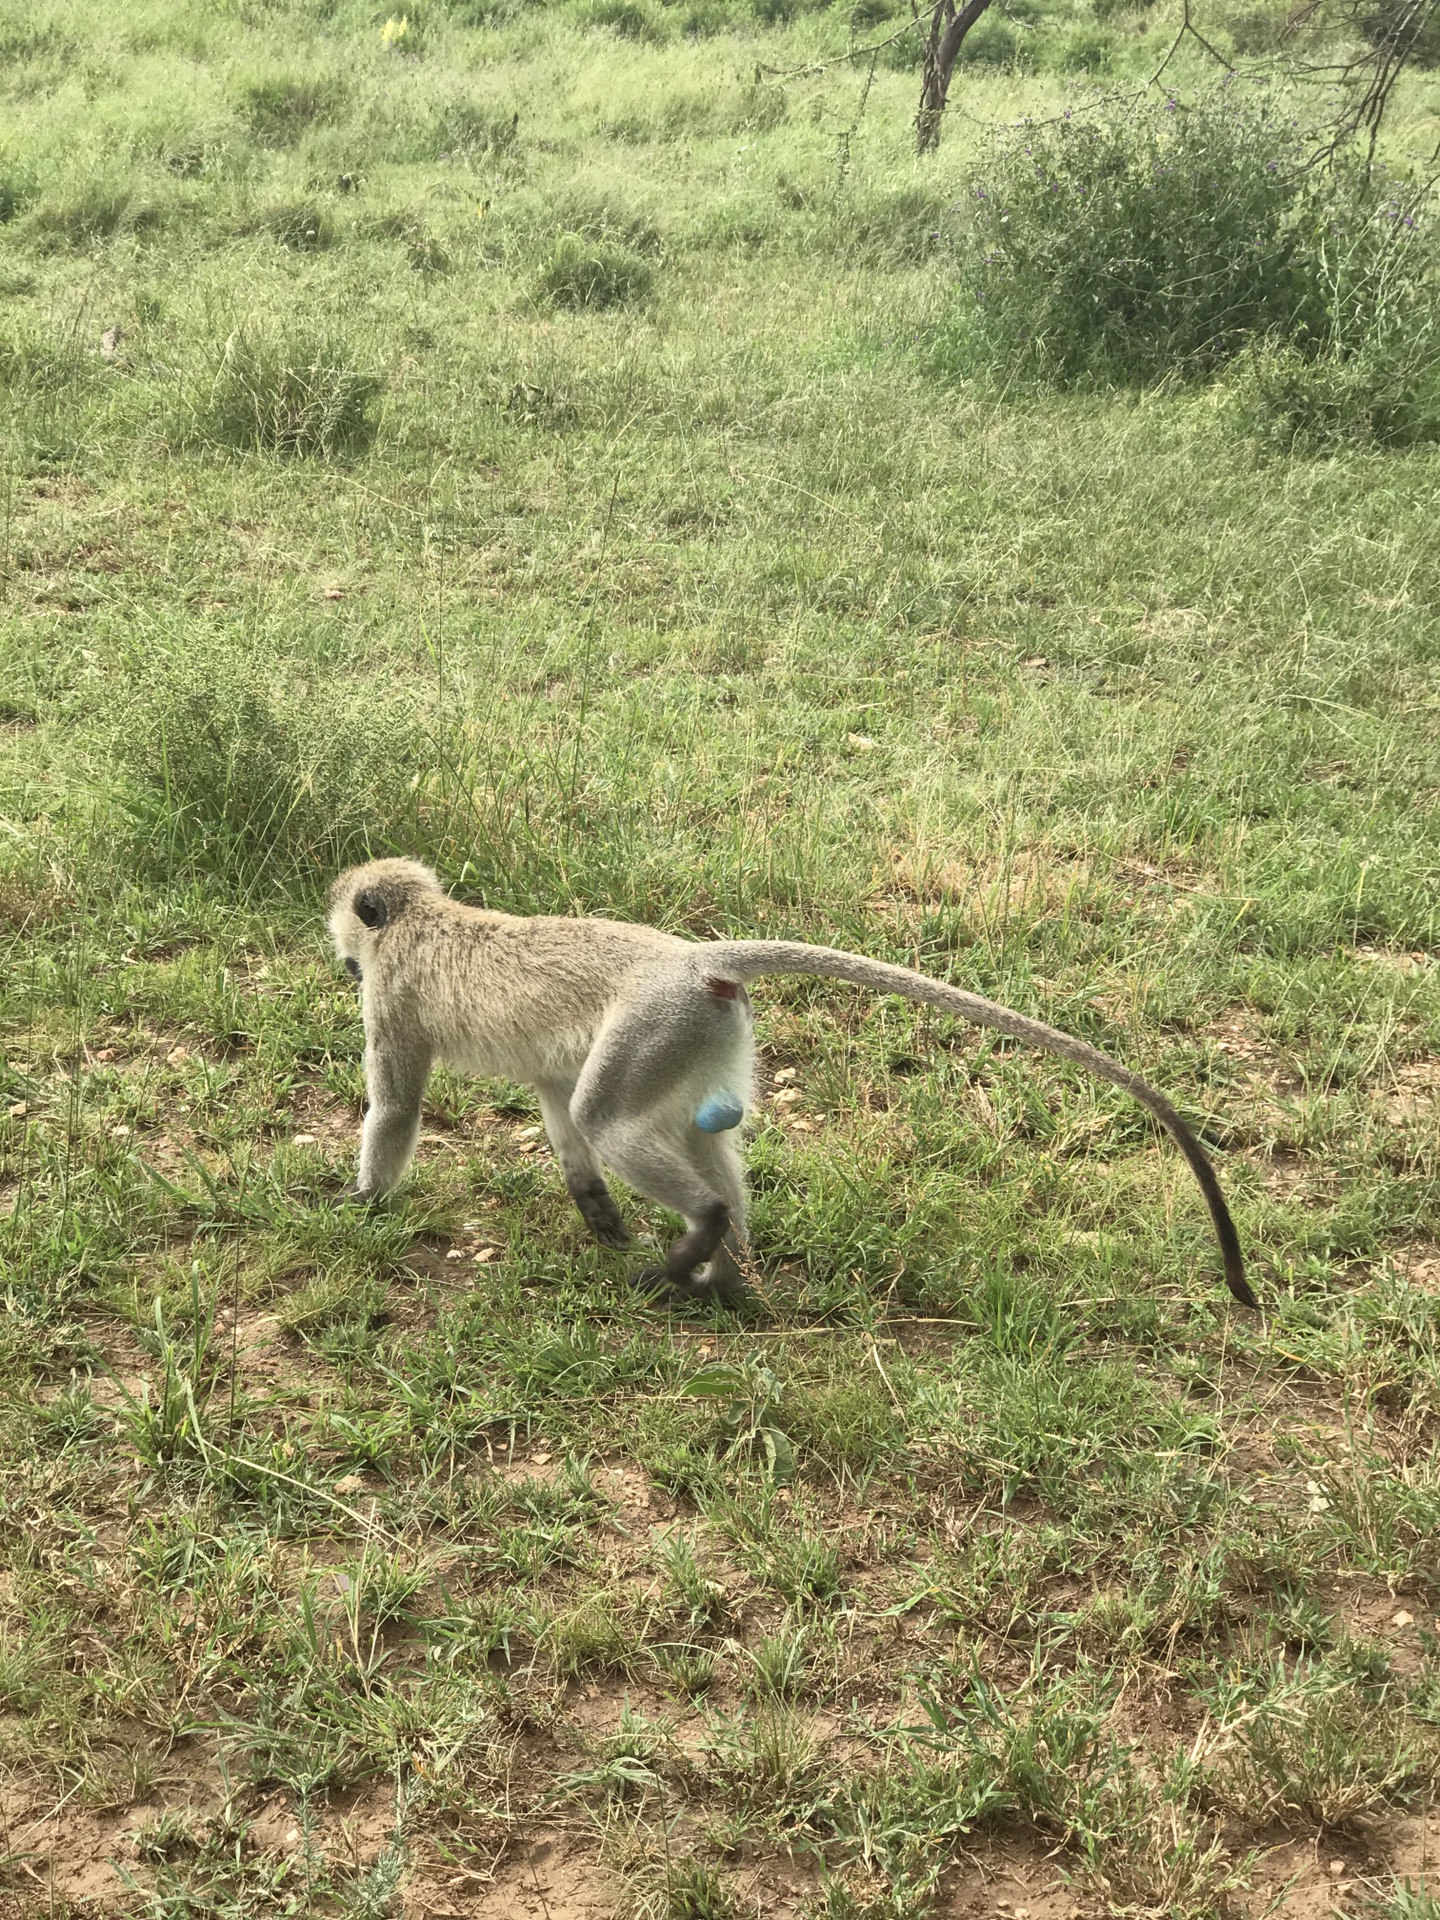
{"points": [[523, 449]]}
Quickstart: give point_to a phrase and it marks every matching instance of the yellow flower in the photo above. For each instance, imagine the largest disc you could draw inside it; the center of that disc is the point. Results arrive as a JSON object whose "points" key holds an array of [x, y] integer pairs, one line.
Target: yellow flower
{"points": [[394, 30]]}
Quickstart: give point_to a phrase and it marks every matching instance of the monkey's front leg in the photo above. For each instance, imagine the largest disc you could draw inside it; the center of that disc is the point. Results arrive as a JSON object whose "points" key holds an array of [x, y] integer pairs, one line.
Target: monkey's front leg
{"points": [[395, 1077]]}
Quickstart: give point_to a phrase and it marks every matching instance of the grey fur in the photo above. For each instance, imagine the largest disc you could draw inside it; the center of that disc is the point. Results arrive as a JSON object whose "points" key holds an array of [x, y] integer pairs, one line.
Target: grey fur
{"points": [[622, 1030]]}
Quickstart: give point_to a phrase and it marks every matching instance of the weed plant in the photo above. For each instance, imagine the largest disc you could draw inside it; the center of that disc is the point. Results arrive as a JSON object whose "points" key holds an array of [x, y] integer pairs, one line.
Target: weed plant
{"points": [[596, 273], [284, 392], [240, 765]]}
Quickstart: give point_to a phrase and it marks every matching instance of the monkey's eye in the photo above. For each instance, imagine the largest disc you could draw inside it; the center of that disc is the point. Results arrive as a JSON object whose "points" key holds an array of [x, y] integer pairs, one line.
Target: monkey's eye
{"points": [[352, 967]]}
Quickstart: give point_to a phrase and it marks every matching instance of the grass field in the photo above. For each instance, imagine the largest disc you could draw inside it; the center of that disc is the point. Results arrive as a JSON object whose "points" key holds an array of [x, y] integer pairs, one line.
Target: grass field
{"points": [[520, 448]]}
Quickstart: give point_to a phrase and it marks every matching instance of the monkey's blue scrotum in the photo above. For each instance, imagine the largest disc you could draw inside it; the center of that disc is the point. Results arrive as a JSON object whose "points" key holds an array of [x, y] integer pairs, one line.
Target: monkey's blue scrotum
{"points": [[719, 1113]]}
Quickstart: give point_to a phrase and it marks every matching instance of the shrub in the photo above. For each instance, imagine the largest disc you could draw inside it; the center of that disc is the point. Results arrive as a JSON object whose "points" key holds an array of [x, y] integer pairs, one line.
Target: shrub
{"points": [[471, 128], [1292, 404], [993, 41], [485, 13], [289, 394], [1401, 28], [252, 769], [403, 33], [34, 362], [1085, 50], [1130, 245], [601, 216], [303, 226], [593, 273], [282, 107], [92, 211], [17, 189], [899, 224], [628, 18]]}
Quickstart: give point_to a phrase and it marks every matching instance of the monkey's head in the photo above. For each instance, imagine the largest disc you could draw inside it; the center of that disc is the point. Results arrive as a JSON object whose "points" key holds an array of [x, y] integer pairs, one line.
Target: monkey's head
{"points": [[364, 901]]}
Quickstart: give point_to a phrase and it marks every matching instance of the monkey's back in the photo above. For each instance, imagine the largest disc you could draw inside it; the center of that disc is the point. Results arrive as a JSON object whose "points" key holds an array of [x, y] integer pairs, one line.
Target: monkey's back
{"points": [[520, 997]]}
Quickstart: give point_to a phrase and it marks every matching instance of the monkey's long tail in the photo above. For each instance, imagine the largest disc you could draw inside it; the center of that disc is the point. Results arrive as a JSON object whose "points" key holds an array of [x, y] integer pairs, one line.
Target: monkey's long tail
{"points": [[745, 959]]}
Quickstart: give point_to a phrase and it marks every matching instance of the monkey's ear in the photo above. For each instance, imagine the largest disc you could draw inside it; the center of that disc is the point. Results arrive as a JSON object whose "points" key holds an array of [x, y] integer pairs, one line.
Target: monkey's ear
{"points": [[370, 909]]}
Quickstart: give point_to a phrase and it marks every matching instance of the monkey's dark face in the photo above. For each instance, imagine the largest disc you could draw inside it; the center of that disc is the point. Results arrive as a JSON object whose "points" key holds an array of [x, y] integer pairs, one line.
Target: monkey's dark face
{"points": [[352, 967]]}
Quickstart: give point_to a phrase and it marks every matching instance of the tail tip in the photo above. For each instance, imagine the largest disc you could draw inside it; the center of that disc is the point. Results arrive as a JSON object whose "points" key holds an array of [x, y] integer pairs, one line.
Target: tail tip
{"points": [[1239, 1285]]}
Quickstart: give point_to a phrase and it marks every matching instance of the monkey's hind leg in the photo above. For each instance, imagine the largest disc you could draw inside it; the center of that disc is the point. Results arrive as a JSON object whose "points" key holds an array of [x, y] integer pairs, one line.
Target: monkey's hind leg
{"points": [[720, 1277], [678, 1037], [684, 1176], [698, 1177], [580, 1164]]}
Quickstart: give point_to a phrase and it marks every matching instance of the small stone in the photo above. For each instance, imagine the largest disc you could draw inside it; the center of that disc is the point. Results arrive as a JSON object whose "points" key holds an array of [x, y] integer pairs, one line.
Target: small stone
{"points": [[105, 1056], [861, 742], [540, 1459], [304, 1140], [786, 1075], [527, 1133], [18, 1111], [1036, 660], [482, 1254], [1402, 1619], [352, 1483], [454, 1253], [177, 1057], [120, 1133], [332, 592], [1336, 1868]]}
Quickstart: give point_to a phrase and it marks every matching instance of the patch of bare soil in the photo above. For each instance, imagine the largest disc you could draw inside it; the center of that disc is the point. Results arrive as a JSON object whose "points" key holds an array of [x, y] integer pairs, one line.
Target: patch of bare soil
{"points": [[1013, 1877], [1311, 1879], [1419, 1264], [1412, 1093], [1235, 1035], [1395, 961], [548, 1877]]}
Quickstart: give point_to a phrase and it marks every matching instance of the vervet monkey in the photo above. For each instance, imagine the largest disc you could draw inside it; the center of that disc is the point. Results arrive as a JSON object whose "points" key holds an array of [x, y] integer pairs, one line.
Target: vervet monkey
{"points": [[640, 1045]]}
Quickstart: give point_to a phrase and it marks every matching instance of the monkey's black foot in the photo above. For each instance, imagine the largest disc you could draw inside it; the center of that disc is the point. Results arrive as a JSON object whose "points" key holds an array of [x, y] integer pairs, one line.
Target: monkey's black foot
{"points": [[721, 1283], [599, 1212]]}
